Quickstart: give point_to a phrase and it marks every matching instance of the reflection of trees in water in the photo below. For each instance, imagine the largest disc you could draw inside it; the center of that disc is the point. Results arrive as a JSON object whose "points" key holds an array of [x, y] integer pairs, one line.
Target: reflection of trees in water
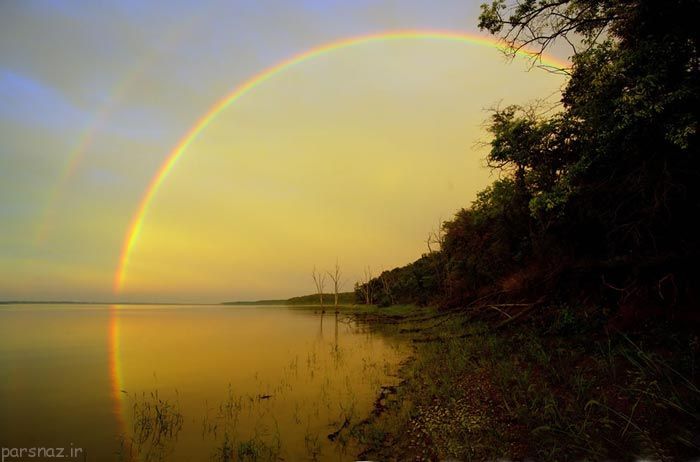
{"points": [[316, 403]]}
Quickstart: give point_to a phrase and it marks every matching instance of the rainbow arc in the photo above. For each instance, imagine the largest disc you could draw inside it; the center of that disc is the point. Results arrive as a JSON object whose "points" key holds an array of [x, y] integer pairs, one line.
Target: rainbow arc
{"points": [[136, 224]]}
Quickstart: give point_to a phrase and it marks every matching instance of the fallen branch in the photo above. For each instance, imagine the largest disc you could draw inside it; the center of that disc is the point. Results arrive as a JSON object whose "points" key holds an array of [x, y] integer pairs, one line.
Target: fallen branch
{"points": [[334, 435], [496, 307], [522, 313]]}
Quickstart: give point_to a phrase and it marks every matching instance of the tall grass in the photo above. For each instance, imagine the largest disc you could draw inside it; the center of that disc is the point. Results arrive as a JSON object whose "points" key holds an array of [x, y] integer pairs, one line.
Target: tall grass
{"points": [[563, 390]]}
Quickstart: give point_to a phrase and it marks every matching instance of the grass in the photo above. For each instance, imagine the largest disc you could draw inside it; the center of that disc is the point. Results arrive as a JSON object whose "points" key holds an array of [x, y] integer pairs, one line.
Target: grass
{"points": [[253, 449], [358, 311], [244, 426], [157, 422], [555, 388]]}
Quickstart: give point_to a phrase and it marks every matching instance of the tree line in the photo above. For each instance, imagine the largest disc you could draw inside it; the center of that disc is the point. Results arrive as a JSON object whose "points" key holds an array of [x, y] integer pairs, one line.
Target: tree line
{"points": [[601, 195]]}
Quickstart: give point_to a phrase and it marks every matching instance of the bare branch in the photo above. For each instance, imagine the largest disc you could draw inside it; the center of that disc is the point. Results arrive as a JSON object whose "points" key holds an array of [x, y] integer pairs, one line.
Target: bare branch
{"points": [[319, 282], [365, 285], [335, 277]]}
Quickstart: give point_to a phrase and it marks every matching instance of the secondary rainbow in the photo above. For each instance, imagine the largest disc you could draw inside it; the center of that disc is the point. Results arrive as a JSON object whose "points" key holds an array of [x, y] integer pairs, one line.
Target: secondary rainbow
{"points": [[97, 123], [84, 143], [136, 224]]}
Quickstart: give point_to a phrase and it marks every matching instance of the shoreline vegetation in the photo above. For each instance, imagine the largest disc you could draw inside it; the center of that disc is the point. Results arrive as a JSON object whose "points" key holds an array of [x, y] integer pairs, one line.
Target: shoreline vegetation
{"points": [[344, 298], [556, 318], [556, 386], [566, 295]]}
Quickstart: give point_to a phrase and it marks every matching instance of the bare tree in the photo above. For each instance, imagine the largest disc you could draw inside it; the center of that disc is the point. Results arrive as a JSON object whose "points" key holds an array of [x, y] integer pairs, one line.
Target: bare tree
{"points": [[320, 282], [335, 277], [365, 285], [436, 237]]}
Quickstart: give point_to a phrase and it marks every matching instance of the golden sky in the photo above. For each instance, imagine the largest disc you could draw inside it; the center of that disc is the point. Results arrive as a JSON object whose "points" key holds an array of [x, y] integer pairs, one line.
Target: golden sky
{"points": [[354, 155]]}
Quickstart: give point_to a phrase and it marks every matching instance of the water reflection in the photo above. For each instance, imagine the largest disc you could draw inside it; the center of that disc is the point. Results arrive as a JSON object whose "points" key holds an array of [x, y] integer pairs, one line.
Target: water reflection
{"points": [[115, 371], [190, 383]]}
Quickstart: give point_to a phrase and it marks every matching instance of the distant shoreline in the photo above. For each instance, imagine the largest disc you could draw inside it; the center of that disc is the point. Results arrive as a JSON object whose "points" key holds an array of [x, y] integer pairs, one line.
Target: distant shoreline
{"points": [[69, 302], [344, 298]]}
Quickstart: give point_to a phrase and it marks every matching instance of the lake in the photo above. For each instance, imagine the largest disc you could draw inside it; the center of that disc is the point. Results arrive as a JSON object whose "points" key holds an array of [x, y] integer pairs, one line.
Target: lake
{"points": [[188, 383]]}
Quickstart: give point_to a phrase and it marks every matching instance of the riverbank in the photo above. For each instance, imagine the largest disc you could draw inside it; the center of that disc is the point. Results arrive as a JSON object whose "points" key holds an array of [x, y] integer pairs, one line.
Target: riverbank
{"points": [[558, 384], [344, 298]]}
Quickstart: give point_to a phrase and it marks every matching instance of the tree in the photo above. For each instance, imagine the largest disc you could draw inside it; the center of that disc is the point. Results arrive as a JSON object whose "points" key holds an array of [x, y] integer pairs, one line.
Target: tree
{"points": [[365, 285], [387, 283], [335, 277], [436, 238], [609, 180], [612, 175], [538, 24], [319, 282]]}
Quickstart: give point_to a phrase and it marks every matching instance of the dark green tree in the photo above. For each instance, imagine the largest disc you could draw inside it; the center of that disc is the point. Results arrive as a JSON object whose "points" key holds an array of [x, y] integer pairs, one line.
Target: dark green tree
{"points": [[613, 172], [609, 182]]}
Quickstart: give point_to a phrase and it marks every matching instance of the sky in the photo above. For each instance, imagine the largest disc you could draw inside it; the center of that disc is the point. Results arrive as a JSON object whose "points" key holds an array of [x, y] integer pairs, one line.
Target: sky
{"points": [[354, 155]]}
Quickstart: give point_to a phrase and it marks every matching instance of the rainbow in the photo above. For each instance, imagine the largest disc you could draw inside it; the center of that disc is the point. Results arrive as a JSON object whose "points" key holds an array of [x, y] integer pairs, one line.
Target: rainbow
{"points": [[136, 224], [85, 141], [87, 137], [115, 368]]}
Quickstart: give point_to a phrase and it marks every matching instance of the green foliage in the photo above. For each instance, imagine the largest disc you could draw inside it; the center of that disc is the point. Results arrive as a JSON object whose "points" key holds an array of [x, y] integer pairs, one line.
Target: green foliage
{"points": [[609, 179], [417, 283], [485, 242], [545, 393], [344, 298], [606, 189]]}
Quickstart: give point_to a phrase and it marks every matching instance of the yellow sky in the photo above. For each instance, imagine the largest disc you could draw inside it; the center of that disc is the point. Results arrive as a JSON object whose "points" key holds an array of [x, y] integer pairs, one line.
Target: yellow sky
{"points": [[355, 155]]}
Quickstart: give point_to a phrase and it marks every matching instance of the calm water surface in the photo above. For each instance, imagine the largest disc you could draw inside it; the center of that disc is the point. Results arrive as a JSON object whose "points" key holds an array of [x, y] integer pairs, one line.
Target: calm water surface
{"points": [[187, 383]]}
